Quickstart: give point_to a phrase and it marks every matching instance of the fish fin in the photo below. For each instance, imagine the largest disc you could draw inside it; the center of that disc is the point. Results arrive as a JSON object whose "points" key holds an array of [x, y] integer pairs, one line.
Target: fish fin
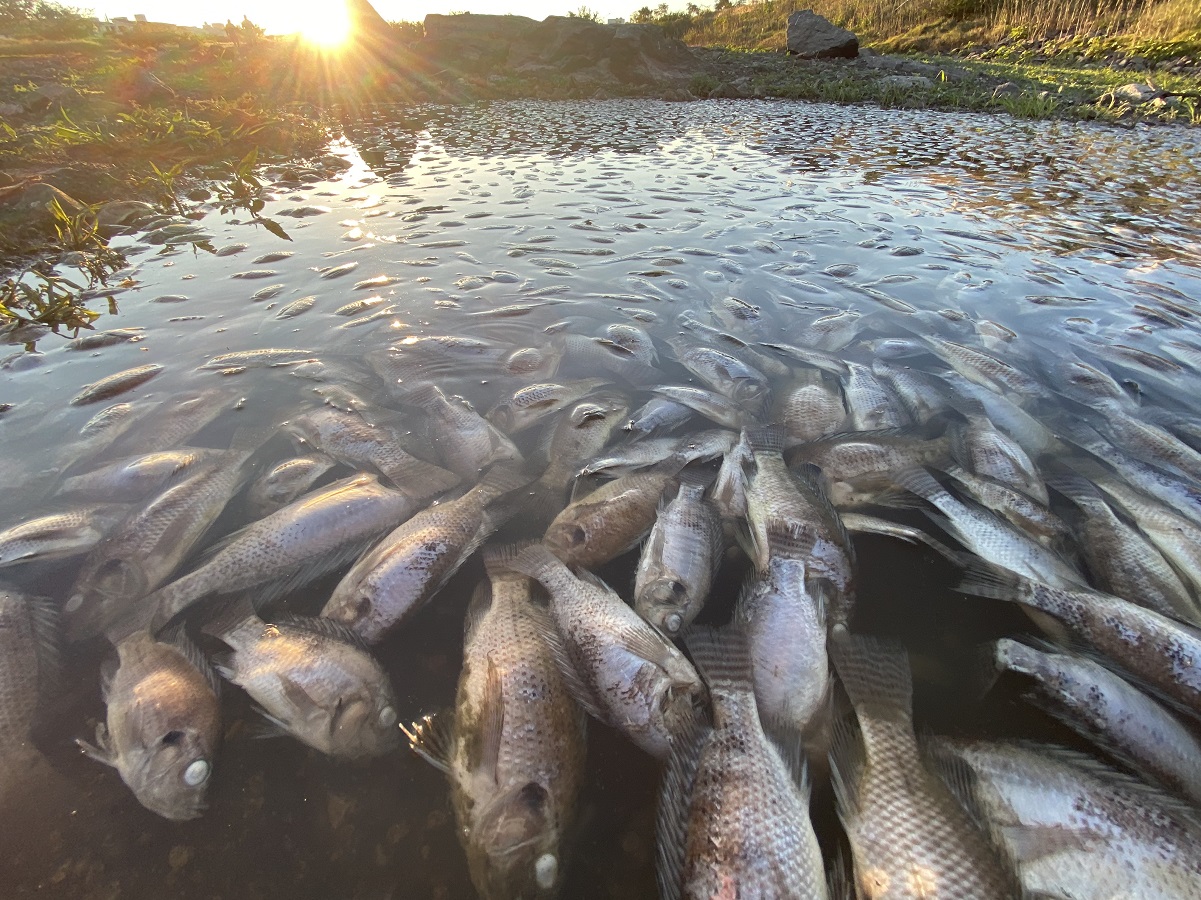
{"points": [[1076, 488], [920, 482], [422, 394], [178, 638], [419, 479], [818, 359], [848, 758], [876, 675], [536, 561], [326, 628], [643, 640], [960, 779], [789, 743], [722, 657], [101, 751], [861, 524], [46, 623], [839, 880], [108, 671], [579, 689], [297, 695], [477, 608], [745, 538], [267, 727], [492, 706], [986, 668], [671, 814], [696, 477], [230, 616], [981, 579], [787, 539], [499, 557], [766, 438]]}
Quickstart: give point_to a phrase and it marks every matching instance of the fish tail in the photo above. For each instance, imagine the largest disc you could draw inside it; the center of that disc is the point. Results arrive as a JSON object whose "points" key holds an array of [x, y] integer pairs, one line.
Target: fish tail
{"points": [[537, 562], [231, 616], [498, 558], [919, 481], [789, 539], [875, 673], [722, 656], [983, 580]]}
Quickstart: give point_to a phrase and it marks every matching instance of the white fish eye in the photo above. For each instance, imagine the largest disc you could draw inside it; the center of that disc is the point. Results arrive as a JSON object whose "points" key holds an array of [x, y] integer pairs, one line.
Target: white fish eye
{"points": [[387, 717], [673, 622], [546, 870], [196, 773]]}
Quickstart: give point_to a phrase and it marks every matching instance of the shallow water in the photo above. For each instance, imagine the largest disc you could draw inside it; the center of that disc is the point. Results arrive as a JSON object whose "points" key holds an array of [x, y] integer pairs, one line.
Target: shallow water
{"points": [[605, 212]]}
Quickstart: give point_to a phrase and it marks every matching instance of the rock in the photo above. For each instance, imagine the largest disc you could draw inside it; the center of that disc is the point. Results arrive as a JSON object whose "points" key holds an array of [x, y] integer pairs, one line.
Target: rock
{"points": [[50, 95], [1134, 93], [1007, 89], [143, 86], [27, 206], [811, 36], [906, 82], [473, 42]]}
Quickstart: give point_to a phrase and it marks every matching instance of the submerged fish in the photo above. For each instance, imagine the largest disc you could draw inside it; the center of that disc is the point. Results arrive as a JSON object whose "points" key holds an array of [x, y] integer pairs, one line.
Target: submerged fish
{"points": [[617, 667], [115, 384], [314, 680], [284, 482], [733, 816], [514, 751], [29, 663], [135, 479], [466, 441], [909, 836], [162, 724], [58, 534]]}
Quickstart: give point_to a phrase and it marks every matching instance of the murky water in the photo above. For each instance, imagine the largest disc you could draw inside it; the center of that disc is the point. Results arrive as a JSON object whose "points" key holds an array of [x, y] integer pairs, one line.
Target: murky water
{"points": [[601, 213]]}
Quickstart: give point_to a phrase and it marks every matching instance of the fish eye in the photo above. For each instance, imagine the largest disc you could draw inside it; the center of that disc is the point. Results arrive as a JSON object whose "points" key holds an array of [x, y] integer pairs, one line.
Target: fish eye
{"points": [[196, 773], [387, 717], [577, 536], [673, 622], [172, 738]]}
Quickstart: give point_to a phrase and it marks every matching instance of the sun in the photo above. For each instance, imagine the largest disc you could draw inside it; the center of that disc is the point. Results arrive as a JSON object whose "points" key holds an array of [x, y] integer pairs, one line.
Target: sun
{"points": [[326, 25]]}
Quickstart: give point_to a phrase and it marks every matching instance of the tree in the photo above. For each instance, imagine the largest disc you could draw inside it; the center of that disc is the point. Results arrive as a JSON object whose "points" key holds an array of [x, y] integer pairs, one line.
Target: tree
{"points": [[585, 13], [43, 18]]}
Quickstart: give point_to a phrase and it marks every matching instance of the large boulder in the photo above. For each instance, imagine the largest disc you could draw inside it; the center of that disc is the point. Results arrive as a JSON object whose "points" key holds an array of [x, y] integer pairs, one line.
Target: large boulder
{"points": [[631, 54], [811, 36], [470, 42]]}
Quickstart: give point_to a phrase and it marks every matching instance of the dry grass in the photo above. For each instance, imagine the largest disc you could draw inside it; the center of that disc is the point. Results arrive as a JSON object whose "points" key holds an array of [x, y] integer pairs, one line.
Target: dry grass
{"points": [[946, 24]]}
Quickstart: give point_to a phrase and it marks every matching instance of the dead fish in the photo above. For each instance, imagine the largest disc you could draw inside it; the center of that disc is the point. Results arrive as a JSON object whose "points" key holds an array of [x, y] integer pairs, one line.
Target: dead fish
{"points": [[580, 433], [711, 405], [981, 449], [731, 779], [726, 374], [514, 751], [58, 534], [810, 408], [632, 457], [466, 441], [1075, 828], [882, 787], [313, 679], [349, 438], [30, 663], [108, 338], [259, 359], [129, 480], [1102, 706], [162, 724], [284, 482], [859, 468], [1021, 510], [147, 547], [115, 384], [295, 308], [530, 404], [657, 415], [310, 536], [679, 560], [617, 667], [416, 559], [339, 271]]}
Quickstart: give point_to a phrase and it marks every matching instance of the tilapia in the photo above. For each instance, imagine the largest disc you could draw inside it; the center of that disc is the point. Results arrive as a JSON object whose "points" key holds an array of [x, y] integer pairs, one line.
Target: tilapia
{"points": [[713, 406], [637, 455], [909, 836], [982, 450], [58, 534], [284, 482], [656, 416], [466, 442], [1078, 829], [314, 680], [617, 667], [310, 536], [727, 375], [351, 439], [1160, 653], [30, 663], [733, 818], [679, 559], [612, 519], [146, 549], [1020, 510], [859, 468], [514, 751], [258, 359], [531, 403], [116, 384], [810, 408], [129, 480], [782, 612], [578, 436], [162, 725], [1119, 718], [409, 566]]}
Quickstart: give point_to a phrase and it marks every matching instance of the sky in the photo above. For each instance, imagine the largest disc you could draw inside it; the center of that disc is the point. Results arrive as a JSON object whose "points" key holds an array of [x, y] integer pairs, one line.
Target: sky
{"points": [[280, 16]]}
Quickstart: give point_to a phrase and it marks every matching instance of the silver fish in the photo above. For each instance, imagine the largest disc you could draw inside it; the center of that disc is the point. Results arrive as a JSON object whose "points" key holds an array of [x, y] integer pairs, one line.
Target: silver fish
{"points": [[810, 408], [29, 663], [679, 560], [135, 479], [259, 359], [725, 374], [162, 724], [466, 441], [415, 560], [1078, 829], [58, 534], [528, 405], [514, 752], [115, 384], [1102, 706], [617, 667], [1021, 510], [313, 679], [909, 836], [310, 536], [728, 780], [984, 451], [658, 415], [711, 405]]}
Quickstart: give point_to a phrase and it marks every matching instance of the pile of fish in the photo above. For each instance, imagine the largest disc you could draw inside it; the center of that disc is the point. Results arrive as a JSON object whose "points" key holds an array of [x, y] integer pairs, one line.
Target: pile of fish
{"points": [[548, 441]]}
